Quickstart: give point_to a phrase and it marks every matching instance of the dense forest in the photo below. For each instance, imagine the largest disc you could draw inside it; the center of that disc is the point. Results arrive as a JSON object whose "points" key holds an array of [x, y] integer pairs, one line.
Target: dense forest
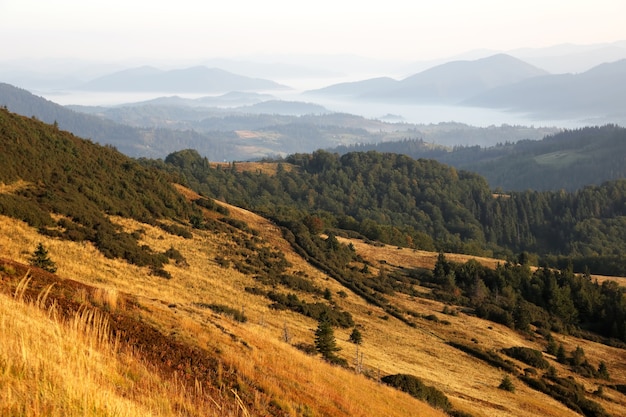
{"points": [[567, 160], [426, 205]]}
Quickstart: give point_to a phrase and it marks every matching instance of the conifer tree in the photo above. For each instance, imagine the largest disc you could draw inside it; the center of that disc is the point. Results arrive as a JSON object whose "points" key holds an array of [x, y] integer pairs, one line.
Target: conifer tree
{"points": [[356, 337], [40, 259], [325, 342]]}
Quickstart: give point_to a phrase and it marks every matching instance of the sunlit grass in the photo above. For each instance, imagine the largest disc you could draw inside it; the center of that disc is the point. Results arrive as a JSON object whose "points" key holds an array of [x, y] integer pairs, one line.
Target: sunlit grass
{"points": [[283, 376], [55, 367]]}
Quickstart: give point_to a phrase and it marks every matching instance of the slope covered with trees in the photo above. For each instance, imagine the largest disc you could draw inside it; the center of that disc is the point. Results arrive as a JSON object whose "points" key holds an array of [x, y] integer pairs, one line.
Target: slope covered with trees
{"points": [[426, 205], [567, 160], [67, 187]]}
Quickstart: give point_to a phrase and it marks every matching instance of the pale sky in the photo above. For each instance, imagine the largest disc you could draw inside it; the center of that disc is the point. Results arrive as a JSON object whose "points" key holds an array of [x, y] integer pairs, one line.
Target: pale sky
{"points": [[409, 30]]}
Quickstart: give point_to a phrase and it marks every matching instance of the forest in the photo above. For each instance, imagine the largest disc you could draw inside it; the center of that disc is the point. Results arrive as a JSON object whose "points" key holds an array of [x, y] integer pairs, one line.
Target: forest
{"points": [[424, 204]]}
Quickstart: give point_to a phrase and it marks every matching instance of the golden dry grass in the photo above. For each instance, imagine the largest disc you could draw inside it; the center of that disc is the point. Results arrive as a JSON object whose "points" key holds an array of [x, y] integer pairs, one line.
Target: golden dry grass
{"points": [[55, 367], [13, 187], [268, 168], [413, 258], [300, 384]]}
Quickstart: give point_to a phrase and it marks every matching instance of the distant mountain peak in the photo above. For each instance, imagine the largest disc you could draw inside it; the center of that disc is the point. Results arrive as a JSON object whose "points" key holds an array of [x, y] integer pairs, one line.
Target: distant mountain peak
{"points": [[198, 79]]}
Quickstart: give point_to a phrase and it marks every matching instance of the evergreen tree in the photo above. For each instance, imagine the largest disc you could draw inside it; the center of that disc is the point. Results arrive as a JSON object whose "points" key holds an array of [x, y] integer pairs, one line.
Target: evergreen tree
{"points": [[41, 259], [560, 354], [603, 371], [325, 342], [356, 337]]}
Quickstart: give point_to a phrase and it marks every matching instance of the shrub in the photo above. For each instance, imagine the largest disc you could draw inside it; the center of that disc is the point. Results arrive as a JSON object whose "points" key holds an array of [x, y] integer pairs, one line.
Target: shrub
{"points": [[507, 384], [224, 309], [416, 388], [529, 356], [175, 255], [176, 230], [356, 337]]}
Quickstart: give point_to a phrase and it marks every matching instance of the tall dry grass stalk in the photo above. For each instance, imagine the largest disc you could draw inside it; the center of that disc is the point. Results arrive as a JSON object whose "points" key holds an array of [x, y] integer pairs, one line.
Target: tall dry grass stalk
{"points": [[51, 367]]}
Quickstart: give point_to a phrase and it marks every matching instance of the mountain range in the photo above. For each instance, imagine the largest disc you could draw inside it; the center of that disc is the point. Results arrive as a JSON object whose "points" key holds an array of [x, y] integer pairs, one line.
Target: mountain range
{"points": [[500, 82], [445, 83]]}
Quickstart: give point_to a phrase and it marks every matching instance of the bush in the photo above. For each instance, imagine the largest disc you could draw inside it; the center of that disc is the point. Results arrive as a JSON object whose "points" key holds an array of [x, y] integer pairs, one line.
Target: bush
{"points": [[175, 255], [356, 337], [224, 309], [489, 357], [416, 388], [529, 356], [176, 230], [507, 384]]}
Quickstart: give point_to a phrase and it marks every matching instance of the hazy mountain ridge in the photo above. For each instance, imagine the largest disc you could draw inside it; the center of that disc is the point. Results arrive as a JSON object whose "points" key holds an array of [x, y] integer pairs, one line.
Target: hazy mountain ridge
{"points": [[445, 83], [189, 80], [152, 130], [505, 83], [601, 90]]}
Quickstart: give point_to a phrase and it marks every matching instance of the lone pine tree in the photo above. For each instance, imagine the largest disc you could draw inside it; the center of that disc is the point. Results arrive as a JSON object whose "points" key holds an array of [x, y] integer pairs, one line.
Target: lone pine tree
{"points": [[325, 342], [40, 259]]}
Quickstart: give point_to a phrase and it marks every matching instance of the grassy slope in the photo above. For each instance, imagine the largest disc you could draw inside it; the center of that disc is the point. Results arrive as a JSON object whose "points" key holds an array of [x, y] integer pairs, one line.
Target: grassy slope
{"points": [[270, 376], [277, 377]]}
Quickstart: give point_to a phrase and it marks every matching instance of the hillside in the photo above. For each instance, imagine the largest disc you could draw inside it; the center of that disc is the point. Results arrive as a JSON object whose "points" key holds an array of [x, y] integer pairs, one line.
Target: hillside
{"points": [[269, 375], [569, 160], [425, 205], [134, 141], [220, 307]]}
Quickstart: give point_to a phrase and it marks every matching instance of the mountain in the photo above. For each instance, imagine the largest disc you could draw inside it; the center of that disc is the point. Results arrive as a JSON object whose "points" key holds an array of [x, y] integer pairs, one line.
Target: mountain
{"points": [[457, 80], [293, 108], [156, 128], [129, 140], [601, 90], [446, 83], [188, 80], [230, 99]]}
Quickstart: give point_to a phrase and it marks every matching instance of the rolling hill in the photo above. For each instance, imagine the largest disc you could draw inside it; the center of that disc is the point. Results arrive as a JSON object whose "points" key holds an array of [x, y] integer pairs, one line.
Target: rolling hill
{"points": [[226, 324]]}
